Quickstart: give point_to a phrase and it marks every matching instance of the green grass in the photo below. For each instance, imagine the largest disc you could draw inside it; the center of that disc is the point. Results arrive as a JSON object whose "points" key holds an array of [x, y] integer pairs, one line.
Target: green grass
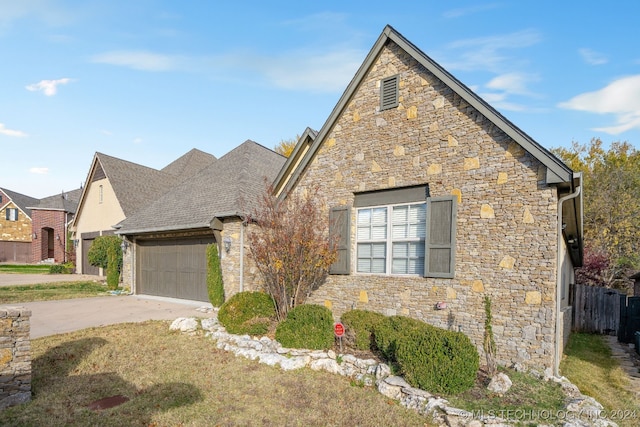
{"points": [[588, 363], [528, 394], [50, 291], [25, 268], [177, 379]]}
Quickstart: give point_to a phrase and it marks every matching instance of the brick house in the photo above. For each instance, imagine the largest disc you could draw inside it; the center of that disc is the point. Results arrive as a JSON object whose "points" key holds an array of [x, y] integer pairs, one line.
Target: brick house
{"points": [[51, 218], [439, 201]]}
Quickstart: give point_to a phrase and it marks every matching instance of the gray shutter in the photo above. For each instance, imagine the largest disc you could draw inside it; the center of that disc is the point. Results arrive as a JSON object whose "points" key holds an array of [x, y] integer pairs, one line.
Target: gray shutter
{"points": [[339, 219], [440, 242], [389, 93], [6, 213]]}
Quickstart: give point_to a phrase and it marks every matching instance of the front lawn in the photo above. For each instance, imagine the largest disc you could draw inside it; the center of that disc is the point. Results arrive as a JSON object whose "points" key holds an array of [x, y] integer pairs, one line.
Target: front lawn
{"points": [[588, 363], [50, 291], [25, 268], [176, 379]]}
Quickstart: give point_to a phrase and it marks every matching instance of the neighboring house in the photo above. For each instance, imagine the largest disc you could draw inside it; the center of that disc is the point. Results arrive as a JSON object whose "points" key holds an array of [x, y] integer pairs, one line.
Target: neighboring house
{"points": [[15, 226], [439, 201], [167, 240], [51, 218], [116, 189]]}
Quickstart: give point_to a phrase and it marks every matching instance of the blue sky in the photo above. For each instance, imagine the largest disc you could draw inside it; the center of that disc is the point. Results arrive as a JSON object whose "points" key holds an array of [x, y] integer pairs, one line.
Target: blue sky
{"points": [[147, 80]]}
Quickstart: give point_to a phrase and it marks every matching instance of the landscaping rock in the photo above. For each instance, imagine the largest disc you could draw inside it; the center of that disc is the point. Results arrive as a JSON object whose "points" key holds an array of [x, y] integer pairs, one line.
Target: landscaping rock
{"points": [[184, 324], [500, 384]]}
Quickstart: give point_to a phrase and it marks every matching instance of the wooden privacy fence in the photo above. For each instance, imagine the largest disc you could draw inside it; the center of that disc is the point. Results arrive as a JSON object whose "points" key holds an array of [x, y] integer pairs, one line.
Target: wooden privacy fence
{"points": [[596, 309]]}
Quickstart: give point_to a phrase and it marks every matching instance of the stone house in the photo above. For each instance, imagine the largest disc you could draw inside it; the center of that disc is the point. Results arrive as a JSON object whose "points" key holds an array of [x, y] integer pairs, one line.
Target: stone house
{"points": [[166, 240], [116, 189], [15, 226], [439, 201]]}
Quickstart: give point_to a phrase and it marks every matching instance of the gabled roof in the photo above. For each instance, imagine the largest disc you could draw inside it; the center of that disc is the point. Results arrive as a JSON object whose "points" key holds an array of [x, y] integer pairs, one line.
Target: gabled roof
{"points": [[228, 187], [189, 164], [65, 201], [24, 203], [135, 185], [557, 171]]}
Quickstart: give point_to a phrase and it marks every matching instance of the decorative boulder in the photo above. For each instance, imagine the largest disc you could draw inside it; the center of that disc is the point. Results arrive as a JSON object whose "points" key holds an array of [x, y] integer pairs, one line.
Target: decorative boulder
{"points": [[500, 384]]}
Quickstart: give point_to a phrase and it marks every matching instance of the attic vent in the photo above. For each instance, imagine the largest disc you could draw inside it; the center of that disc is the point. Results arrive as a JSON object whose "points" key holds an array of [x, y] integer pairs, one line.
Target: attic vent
{"points": [[389, 93]]}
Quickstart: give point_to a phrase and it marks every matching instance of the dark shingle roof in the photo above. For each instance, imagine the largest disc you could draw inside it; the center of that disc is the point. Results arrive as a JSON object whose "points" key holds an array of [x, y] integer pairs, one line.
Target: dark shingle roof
{"points": [[135, 185], [21, 201], [65, 201], [229, 186], [189, 164]]}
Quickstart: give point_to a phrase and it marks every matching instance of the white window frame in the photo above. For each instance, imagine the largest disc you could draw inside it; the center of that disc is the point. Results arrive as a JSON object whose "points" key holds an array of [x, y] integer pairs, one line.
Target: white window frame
{"points": [[389, 240], [11, 214]]}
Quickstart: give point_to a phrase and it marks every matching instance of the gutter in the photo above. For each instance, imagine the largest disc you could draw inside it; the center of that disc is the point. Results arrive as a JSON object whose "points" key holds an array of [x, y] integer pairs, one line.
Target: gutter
{"points": [[556, 358]]}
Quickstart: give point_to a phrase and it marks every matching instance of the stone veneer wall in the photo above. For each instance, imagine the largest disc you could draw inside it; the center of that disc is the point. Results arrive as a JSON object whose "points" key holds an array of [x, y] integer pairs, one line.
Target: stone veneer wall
{"points": [[15, 231], [251, 280], [506, 224], [15, 356]]}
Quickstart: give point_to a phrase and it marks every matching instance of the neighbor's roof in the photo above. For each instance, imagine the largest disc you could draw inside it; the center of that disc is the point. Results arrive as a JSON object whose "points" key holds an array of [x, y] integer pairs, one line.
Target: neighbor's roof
{"points": [[65, 201], [557, 171], [23, 202], [229, 186], [189, 164]]}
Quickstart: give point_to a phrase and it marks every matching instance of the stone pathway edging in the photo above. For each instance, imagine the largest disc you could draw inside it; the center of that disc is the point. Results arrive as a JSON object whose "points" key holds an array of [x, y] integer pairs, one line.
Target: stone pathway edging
{"points": [[580, 411], [629, 361]]}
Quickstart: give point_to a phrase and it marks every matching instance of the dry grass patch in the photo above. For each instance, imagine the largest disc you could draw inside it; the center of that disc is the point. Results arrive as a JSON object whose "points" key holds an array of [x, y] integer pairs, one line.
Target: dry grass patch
{"points": [[588, 363], [175, 379], [51, 291]]}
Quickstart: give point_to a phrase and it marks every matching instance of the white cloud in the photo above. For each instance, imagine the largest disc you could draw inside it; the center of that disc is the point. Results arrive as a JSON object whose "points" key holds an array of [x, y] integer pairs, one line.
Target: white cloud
{"points": [[11, 132], [39, 171], [106, 132], [620, 98], [463, 11], [49, 87], [592, 57], [138, 60], [513, 83], [137, 140], [488, 53], [499, 101], [327, 72]]}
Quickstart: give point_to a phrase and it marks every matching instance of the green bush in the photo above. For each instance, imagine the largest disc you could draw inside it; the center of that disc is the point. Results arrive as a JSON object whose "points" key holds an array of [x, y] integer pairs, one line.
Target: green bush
{"points": [[215, 285], [98, 255], [113, 266], [391, 330], [307, 326], [247, 313], [360, 328], [437, 360]]}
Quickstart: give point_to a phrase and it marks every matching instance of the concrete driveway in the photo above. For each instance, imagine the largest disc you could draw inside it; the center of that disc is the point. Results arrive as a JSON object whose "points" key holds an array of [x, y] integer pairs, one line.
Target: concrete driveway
{"points": [[56, 317]]}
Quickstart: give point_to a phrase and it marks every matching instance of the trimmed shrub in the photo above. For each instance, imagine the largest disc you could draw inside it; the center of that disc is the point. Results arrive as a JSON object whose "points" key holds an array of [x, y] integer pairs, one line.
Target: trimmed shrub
{"points": [[247, 313], [113, 269], [307, 326], [215, 285], [391, 330], [360, 326], [98, 255], [66, 268], [437, 360]]}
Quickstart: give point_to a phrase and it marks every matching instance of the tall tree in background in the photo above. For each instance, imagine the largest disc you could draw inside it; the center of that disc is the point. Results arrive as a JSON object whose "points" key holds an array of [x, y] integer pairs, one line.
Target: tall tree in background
{"points": [[286, 146], [611, 180]]}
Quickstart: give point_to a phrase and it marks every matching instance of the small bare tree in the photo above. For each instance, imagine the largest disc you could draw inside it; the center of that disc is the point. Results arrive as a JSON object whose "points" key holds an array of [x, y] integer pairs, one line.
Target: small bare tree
{"points": [[291, 247]]}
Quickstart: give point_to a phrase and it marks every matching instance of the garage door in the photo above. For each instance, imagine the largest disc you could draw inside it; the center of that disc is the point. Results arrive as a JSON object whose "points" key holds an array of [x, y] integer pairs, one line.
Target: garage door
{"points": [[86, 267], [173, 268]]}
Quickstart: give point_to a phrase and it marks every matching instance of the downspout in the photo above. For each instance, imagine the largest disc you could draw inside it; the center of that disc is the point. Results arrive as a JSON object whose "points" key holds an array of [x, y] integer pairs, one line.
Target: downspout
{"points": [[242, 225], [556, 361]]}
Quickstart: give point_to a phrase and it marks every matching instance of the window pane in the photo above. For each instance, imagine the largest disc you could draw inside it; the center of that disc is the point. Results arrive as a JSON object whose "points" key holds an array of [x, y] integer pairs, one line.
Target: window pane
{"points": [[379, 250], [378, 266], [364, 265], [399, 266], [364, 217], [379, 216], [379, 232], [400, 250], [364, 251], [364, 233]]}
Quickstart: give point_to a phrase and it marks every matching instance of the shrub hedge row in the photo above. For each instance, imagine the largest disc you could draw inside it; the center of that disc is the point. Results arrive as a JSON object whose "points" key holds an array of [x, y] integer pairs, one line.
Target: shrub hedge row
{"points": [[307, 326], [247, 313]]}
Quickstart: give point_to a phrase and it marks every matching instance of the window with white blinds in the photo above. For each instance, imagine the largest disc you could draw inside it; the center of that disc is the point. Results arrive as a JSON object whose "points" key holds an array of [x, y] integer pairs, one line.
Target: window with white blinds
{"points": [[391, 239]]}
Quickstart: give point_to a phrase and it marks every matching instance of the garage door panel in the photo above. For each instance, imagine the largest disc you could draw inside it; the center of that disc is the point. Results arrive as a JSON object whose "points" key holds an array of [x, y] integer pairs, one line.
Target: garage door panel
{"points": [[173, 268]]}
